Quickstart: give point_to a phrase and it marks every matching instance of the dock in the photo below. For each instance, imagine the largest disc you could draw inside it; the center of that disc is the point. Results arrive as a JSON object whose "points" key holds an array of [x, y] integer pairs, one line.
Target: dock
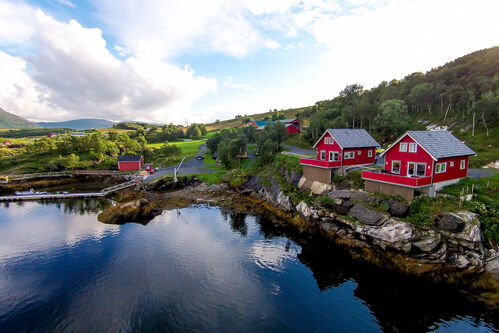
{"points": [[54, 196]]}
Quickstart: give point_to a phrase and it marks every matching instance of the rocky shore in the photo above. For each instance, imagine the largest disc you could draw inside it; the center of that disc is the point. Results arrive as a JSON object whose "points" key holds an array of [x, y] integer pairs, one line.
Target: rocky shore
{"points": [[450, 252]]}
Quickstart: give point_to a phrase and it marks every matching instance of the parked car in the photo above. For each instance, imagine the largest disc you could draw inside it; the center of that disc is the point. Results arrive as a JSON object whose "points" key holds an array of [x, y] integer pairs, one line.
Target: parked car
{"points": [[199, 157]]}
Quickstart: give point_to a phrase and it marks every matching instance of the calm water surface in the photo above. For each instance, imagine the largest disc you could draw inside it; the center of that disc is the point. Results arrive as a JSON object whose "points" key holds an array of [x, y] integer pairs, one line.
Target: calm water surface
{"points": [[200, 269]]}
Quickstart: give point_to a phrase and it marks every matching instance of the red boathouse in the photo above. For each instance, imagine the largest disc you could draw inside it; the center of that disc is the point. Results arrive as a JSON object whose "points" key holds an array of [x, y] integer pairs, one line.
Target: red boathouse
{"points": [[422, 161], [337, 149], [130, 162]]}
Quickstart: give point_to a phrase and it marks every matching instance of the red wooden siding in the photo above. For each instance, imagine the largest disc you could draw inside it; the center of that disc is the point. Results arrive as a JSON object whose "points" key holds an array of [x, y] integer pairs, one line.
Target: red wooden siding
{"points": [[452, 172], [131, 166], [420, 156], [396, 179], [361, 158]]}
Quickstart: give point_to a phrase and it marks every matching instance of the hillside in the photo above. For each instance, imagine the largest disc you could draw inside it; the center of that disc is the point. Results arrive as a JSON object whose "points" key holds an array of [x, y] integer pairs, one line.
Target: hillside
{"points": [[78, 124], [9, 120]]}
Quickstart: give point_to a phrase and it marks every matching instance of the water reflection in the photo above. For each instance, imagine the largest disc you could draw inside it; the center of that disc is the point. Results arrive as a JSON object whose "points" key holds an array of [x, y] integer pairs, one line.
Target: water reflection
{"points": [[201, 270]]}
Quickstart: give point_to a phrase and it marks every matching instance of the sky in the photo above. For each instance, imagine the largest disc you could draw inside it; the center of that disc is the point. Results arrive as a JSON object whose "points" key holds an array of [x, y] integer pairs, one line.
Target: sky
{"points": [[171, 61]]}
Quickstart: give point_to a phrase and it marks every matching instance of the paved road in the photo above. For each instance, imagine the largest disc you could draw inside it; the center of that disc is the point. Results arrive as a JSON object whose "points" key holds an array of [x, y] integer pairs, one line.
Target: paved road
{"points": [[189, 167], [298, 150]]}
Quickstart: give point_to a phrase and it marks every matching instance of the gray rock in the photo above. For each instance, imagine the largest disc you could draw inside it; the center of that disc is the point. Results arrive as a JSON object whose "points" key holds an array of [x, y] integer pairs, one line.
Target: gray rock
{"points": [[252, 185], [450, 222], [397, 208], [342, 208], [366, 215], [429, 242], [458, 260], [339, 194], [362, 196], [306, 211]]}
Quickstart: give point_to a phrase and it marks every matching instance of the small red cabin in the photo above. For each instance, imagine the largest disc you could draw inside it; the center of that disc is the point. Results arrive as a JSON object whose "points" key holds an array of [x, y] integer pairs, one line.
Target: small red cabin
{"points": [[422, 161], [130, 162], [6, 143], [53, 135], [337, 149]]}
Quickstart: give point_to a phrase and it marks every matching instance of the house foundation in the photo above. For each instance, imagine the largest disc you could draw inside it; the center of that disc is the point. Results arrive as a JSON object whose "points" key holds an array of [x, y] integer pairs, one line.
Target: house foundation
{"points": [[390, 189], [313, 173]]}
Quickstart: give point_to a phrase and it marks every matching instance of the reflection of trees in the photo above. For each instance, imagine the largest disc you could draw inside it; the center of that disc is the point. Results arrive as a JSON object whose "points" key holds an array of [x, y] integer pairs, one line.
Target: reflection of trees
{"points": [[399, 303], [80, 206], [237, 221]]}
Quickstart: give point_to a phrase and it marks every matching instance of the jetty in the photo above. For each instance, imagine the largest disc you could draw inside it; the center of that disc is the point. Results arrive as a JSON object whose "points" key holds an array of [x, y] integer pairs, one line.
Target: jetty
{"points": [[53, 196]]}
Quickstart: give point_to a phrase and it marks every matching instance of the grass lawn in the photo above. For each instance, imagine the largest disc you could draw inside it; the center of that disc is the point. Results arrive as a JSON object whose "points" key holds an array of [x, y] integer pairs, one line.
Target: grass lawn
{"points": [[296, 140], [20, 140]]}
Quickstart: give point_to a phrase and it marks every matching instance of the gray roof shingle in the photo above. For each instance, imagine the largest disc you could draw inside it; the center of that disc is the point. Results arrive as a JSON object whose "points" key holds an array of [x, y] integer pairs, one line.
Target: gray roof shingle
{"points": [[129, 158], [352, 138], [440, 144]]}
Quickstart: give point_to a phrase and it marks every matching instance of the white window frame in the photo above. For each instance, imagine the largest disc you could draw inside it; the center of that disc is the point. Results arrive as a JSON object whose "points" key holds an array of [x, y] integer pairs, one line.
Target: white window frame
{"points": [[416, 164], [349, 155], [462, 165], [403, 144], [323, 155], [413, 147], [451, 164], [400, 167], [328, 140], [331, 156], [369, 153], [359, 152], [441, 167]]}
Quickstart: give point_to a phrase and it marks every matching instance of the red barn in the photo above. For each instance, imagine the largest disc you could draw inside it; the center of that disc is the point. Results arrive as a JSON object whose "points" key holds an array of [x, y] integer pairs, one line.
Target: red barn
{"points": [[130, 162], [421, 161], [337, 149]]}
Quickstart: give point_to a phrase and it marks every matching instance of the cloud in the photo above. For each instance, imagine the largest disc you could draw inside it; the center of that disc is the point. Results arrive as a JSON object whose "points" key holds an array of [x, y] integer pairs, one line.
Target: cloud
{"points": [[229, 84], [67, 3], [73, 74]]}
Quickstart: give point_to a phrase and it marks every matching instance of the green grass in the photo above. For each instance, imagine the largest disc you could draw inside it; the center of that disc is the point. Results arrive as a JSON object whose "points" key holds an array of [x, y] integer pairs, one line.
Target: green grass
{"points": [[297, 140]]}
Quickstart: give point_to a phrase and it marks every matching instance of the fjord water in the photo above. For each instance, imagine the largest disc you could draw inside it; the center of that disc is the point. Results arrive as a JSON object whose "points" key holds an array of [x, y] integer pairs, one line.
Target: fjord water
{"points": [[201, 269]]}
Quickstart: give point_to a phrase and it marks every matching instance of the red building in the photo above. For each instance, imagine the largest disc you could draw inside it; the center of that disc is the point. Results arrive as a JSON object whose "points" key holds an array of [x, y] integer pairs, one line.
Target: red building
{"points": [[421, 161], [338, 149], [130, 162], [53, 135], [6, 143], [292, 125]]}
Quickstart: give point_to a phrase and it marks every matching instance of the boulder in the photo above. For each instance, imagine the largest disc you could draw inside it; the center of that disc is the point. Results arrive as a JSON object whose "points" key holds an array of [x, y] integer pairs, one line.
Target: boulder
{"points": [[342, 208], [450, 222], [429, 242], [306, 211], [339, 194], [362, 196], [397, 208], [252, 185], [291, 177], [366, 216], [136, 211]]}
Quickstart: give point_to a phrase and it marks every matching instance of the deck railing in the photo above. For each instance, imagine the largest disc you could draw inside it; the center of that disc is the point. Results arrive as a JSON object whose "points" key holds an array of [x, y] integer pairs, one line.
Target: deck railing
{"points": [[382, 176]]}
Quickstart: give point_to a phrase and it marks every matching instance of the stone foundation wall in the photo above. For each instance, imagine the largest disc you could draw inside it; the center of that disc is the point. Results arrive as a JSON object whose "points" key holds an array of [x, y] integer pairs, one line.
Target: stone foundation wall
{"points": [[405, 192], [317, 174]]}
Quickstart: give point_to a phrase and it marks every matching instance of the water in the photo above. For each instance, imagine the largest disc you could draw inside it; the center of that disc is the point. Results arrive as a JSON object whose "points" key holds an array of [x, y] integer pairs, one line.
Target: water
{"points": [[200, 269]]}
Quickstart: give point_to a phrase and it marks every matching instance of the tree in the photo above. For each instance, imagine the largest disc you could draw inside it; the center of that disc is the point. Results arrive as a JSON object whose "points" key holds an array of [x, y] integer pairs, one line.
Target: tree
{"points": [[392, 119]]}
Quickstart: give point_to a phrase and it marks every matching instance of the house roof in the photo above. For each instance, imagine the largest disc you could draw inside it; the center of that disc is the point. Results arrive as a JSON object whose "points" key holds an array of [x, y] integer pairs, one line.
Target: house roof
{"points": [[262, 123], [290, 120], [129, 158], [440, 144], [351, 138]]}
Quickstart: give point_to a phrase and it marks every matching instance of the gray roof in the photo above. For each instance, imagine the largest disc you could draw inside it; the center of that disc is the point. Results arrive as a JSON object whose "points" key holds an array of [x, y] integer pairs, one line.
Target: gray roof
{"points": [[440, 144], [129, 158], [352, 138]]}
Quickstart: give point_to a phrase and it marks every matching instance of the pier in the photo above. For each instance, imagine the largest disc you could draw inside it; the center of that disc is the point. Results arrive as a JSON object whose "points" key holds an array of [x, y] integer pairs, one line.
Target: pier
{"points": [[53, 196]]}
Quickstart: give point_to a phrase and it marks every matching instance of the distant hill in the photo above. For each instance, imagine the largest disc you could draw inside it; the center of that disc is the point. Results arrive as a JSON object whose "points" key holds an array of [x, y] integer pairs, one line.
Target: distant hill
{"points": [[9, 120], [78, 124]]}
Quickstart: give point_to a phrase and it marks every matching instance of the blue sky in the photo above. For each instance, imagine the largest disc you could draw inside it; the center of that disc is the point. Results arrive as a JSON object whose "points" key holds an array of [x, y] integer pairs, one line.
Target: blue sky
{"points": [[197, 61]]}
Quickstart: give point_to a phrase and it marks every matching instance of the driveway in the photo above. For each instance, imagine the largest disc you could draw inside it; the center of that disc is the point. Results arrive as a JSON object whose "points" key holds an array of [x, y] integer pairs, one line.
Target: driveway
{"points": [[189, 167], [297, 150]]}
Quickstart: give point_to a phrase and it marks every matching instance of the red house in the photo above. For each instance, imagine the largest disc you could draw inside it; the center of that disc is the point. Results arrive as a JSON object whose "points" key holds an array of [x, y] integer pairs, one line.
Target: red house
{"points": [[337, 149], [130, 162], [53, 135], [292, 125], [6, 143], [421, 161]]}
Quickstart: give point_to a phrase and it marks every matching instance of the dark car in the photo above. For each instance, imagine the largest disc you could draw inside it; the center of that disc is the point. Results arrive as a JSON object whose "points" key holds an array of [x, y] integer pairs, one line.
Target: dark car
{"points": [[199, 157]]}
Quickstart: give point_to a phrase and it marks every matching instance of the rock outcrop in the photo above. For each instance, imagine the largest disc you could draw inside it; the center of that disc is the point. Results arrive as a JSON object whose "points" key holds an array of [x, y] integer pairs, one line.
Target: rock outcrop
{"points": [[366, 215], [140, 210]]}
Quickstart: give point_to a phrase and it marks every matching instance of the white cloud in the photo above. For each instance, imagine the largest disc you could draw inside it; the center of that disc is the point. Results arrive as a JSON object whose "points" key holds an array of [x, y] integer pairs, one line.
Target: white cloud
{"points": [[67, 3], [229, 84], [74, 75]]}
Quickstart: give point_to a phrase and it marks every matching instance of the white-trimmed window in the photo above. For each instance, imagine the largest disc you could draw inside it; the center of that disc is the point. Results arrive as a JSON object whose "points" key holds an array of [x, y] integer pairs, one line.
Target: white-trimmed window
{"points": [[333, 156], [451, 164], [328, 140], [441, 167], [349, 155], [396, 167], [369, 153], [403, 147], [462, 165], [359, 152], [323, 155], [413, 147]]}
